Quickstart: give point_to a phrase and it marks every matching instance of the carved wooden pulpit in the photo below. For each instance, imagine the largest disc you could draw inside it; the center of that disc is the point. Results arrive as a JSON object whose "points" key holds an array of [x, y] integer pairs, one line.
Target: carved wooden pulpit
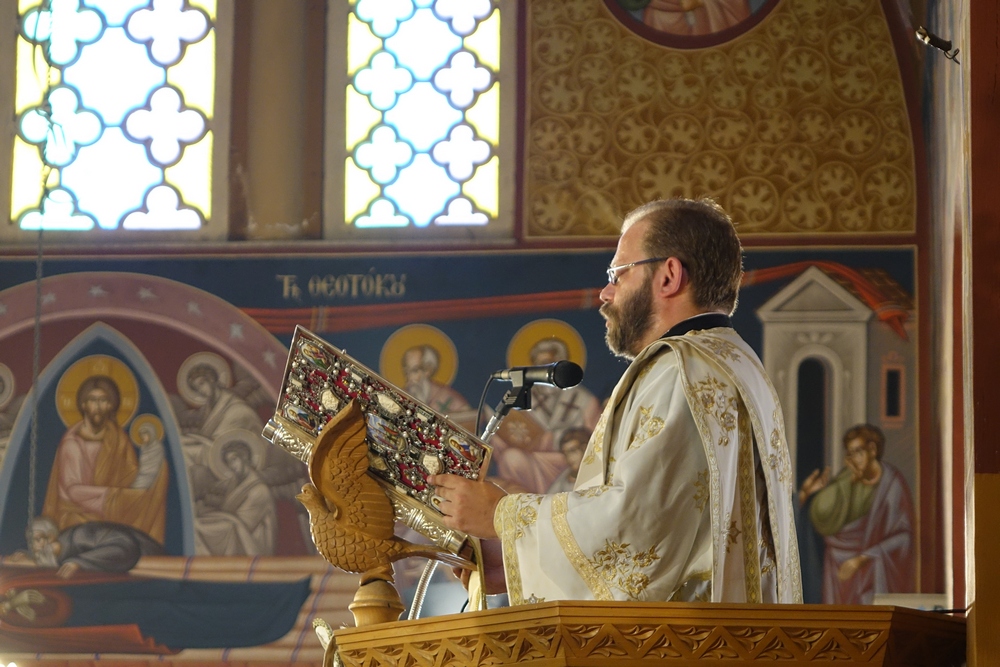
{"points": [[607, 633]]}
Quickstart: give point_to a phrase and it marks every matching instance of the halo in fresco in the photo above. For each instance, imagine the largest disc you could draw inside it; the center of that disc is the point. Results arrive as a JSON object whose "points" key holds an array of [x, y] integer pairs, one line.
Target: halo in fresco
{"points": [[135, 431], [211, 359], [390, 360], [687, 24], [252, 440], [6, 385], [96, 364], [519, 350]]}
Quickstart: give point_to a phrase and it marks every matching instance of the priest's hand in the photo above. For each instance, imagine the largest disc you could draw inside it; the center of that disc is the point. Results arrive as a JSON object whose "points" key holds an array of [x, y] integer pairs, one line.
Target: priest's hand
{"points": [[496, 578], [467, 506]]}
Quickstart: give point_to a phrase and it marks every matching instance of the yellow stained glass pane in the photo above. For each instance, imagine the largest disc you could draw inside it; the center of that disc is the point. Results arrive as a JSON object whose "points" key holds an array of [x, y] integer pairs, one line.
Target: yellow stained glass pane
{"points": [[192, 176], [194, 75], [361, 44], [209, 6], [484, 115], [26, 179], [484, 187], [25, 5], [32, 71], [359, 191], [361, 117], [485, 41]]}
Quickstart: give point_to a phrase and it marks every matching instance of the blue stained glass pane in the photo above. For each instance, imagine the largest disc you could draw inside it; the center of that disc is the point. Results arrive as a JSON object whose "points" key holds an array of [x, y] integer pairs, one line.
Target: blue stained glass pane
{"points": [[463, 79], [383, 215], [114, 75], [57, 212], [61, 129], [384, 15], [422, 190], [116, 11], [424, 44], [463, 13], [423, 116], [110, 178], [383, 155], [382, 81], [64, 27]]}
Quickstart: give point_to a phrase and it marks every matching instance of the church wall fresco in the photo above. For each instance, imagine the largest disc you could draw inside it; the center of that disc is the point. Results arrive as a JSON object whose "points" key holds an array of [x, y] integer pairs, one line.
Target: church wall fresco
{"points": [[197, 357], [791, 113]]}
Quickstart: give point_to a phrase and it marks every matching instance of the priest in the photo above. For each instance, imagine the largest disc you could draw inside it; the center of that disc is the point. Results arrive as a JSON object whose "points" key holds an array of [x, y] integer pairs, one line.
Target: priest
{"points": [[685, 491]]}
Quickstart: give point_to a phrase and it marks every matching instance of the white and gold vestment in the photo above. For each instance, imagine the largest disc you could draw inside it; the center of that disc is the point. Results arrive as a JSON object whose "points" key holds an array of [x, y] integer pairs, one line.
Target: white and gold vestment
{"points": [[685, 491]]}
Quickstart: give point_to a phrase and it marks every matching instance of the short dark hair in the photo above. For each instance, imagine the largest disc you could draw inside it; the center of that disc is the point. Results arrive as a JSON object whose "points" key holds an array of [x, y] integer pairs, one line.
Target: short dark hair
{"points": [[703, 237], [104, 383], [868, 433]]}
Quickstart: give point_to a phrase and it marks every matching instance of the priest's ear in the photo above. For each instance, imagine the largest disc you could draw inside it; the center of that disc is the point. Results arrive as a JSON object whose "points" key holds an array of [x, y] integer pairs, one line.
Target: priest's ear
{"points": [[671, 278]]}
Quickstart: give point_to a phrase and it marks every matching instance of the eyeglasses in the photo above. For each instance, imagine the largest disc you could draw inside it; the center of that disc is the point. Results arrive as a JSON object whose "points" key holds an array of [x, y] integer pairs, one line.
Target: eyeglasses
{"points": [[613, 271]]}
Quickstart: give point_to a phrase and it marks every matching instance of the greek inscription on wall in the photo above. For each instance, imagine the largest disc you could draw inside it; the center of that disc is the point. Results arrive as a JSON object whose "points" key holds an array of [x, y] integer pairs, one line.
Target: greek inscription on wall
{"points": [[344, 286]]}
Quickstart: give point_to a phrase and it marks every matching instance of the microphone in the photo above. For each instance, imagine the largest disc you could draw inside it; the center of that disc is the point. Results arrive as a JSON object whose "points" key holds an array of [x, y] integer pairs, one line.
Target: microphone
{"points": [[563, 374]]}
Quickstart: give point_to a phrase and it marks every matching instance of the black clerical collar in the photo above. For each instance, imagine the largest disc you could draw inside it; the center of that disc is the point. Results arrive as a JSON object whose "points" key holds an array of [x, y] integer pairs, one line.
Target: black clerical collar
{"points": [[699, 322]]}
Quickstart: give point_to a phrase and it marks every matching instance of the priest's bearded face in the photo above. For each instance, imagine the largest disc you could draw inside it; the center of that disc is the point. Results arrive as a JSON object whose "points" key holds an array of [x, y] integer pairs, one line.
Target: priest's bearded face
{"points": [[629, 317]]}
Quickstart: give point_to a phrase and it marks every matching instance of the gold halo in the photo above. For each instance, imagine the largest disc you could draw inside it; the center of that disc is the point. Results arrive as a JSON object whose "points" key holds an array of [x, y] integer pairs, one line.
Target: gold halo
{"points": [[211, 359], [96, 364], [143, 420], [390, 361], [519, 350]]}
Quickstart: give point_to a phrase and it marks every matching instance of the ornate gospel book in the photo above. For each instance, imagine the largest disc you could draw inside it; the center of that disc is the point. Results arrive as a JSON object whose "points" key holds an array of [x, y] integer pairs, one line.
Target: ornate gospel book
{"points": [[407, 440]]}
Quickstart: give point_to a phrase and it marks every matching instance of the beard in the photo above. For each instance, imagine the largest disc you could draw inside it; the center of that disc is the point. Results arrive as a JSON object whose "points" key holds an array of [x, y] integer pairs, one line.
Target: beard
{"points": [[629, 321], [46, 556], [420, 389]]}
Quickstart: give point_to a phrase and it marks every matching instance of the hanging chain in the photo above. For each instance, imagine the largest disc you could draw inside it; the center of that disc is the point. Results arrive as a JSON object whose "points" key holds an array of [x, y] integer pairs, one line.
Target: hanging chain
{"points": [[36, 356], [35, 369]]}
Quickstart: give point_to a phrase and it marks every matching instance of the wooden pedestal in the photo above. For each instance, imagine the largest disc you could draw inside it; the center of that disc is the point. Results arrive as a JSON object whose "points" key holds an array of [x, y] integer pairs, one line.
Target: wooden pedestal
{"points": [[619, 634]]}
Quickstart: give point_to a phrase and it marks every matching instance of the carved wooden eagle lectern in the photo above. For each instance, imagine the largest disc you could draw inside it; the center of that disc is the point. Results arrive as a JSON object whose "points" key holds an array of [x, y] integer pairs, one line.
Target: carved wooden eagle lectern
{"points": [[351, 518]]}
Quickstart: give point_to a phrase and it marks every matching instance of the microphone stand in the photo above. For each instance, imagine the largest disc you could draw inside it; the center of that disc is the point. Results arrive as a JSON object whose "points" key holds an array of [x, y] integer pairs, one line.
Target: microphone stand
{"points": [[517, 397]]}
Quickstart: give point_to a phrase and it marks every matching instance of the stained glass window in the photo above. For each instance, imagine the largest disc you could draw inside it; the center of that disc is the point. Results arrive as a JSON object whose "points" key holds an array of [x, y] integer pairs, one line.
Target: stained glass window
{"points": [[115, 104], [422, 114]]}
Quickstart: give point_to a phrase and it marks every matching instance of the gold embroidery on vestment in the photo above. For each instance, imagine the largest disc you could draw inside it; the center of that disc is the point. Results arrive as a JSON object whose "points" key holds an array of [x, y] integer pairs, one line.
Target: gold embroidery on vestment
{"points": [[722, 348], [597, 438], [620, 567], [712, 400], [748, 507], [592, 491], [649, 426], [732, 535], [701, 490], [506, 524], [564, 534]]}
